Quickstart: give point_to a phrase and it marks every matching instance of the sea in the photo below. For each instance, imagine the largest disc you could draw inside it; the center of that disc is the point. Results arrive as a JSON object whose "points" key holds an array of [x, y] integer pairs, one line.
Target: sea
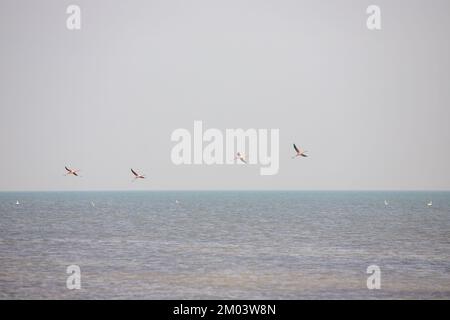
{"points": [[225, 245]]}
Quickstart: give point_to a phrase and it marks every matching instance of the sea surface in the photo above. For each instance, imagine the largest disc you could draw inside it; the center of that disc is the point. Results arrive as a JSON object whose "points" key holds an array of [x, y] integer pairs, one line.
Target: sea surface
{"points": [[225, 245]]}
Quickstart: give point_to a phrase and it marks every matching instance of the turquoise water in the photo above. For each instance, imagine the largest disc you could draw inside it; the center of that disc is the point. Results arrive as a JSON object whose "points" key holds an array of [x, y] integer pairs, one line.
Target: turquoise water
{"points": [[225, 245]]}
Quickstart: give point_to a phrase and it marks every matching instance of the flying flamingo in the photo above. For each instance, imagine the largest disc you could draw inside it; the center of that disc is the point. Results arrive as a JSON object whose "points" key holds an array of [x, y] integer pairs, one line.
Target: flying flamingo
{"points": [[71, 171], [240, 157], [137, 175], [300, 152]]}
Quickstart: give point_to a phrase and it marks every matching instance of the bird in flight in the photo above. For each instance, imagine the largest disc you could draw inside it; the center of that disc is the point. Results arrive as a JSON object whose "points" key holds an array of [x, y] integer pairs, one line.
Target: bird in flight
{"points": [[240, 157], [71, 171], [137, 175], [300, 152]]}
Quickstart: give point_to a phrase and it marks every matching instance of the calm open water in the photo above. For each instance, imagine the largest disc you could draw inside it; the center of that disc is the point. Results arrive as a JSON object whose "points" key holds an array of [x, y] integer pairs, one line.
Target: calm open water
{"points": [[225, 245]]}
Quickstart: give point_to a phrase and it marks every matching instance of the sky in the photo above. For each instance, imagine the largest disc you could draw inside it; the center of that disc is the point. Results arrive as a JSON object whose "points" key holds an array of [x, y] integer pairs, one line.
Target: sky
{"points": [[371, 107]]}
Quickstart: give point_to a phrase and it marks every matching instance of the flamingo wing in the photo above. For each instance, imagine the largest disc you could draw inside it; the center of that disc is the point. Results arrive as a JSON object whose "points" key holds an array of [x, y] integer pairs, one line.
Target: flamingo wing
{"points": [[296, 149], [134, 172]]}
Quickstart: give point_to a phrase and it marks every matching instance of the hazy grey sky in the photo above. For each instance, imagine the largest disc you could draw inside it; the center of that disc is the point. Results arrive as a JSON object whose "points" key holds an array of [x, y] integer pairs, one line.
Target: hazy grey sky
{"points": [[371, 107]]}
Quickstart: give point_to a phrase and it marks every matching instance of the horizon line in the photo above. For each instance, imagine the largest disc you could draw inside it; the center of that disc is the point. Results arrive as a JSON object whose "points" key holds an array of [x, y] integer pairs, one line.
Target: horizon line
{"points": [[232, 190]]}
